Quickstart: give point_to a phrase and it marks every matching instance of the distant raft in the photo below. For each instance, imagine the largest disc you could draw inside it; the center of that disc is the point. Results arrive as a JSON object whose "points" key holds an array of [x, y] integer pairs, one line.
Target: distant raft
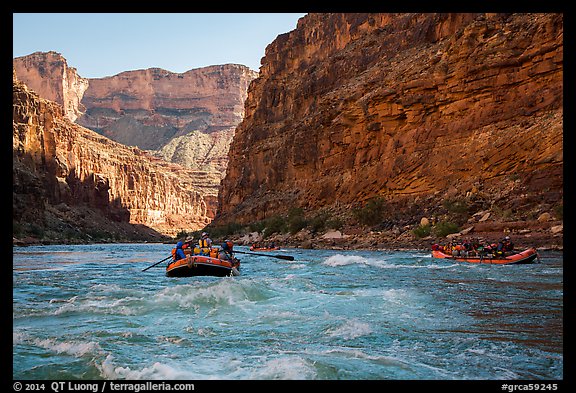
{"points": [[200, 265], [527, 256]]}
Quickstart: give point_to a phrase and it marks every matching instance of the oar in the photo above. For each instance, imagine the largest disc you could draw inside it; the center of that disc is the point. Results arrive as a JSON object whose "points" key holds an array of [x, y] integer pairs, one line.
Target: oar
{"points": [[286, 257], [157, 263]]}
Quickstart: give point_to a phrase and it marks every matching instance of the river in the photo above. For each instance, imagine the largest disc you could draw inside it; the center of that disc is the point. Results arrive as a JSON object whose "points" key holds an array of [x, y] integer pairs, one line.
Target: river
{"points": [[89, 312]]}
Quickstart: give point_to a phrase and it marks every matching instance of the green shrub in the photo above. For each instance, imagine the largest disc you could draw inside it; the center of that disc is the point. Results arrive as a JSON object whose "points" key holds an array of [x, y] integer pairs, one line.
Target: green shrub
{"points": [[318, 222], [444, 228], [257, 226], [372, 213], [296, 220], [36, 231], [274, 224], [219, 232], [422, 231], [334, 223]]}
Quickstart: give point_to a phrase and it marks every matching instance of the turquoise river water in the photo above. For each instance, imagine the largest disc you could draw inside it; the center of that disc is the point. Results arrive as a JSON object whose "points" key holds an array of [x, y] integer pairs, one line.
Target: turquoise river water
{"points": [[89, 312]]}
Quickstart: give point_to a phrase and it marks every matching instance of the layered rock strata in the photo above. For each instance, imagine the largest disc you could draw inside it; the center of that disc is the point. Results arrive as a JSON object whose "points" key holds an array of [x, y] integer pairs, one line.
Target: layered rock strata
{"points": [[154, 108], [48, 74], [414, 108], [59, 166], [187, 118]]}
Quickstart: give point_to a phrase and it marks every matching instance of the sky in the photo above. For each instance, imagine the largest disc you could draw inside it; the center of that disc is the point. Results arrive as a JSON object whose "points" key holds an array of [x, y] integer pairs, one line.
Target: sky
{"points": [[106, 44]]}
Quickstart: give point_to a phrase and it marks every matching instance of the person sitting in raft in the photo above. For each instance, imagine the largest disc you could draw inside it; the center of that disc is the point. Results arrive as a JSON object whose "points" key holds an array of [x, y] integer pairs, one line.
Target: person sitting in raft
{"points": [[504, 245], [178, 252], [187, 245], [204, 244], [508, 245], [226, 251]]}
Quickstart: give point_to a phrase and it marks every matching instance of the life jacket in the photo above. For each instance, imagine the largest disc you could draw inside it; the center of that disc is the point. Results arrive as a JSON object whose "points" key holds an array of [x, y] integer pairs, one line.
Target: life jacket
{"points": [[174, 254], [204, 248]]}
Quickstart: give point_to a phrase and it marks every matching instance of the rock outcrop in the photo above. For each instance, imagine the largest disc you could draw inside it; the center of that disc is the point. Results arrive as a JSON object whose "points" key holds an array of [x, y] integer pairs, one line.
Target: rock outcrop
{"points": [[414, 108], [67, 177], [48, 74]]}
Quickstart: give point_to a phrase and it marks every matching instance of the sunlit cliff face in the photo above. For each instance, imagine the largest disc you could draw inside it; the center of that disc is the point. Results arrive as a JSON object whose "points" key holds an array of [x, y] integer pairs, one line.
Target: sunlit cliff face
{"points": [[48, 74], [350, 106]]}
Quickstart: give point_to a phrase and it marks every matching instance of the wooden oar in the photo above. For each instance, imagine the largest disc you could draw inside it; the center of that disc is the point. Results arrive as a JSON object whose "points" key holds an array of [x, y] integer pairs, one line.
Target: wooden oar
{"points": [[157, 263], [286, 257]]}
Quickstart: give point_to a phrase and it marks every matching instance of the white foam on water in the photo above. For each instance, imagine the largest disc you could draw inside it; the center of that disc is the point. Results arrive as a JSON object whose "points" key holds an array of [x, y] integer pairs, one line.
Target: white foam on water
{"points": [[359, 354], [345, 260], [391, 294], [350, 329], [71, 300], [99, 305], [213, 297], [18, 337], [76, 349], [202, 332], [106, 287], [285, 368], [157, 371]]}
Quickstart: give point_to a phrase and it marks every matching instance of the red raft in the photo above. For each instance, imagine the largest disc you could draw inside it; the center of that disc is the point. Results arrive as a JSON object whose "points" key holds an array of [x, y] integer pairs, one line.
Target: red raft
{"points": [[200, 265], [526, 256]]}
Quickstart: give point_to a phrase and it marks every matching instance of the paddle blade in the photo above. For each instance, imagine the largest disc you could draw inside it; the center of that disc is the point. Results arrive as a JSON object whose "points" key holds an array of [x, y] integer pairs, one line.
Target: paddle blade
{"points": [[286, 257]]}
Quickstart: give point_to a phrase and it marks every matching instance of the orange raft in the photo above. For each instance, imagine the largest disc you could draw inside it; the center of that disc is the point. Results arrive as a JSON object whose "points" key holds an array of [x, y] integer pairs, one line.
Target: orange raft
{"points": [[526, 256], [200, 265]]}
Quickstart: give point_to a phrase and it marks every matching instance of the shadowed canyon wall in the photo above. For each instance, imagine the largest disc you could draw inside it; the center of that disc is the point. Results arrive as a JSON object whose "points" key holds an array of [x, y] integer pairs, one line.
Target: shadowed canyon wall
{"points": [[188, 119], [62, 172], [414, 108]]}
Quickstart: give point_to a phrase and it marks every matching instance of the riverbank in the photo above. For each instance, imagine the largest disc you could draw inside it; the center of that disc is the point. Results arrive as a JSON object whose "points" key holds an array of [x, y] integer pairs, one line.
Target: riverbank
{"points": [[543, 235]]}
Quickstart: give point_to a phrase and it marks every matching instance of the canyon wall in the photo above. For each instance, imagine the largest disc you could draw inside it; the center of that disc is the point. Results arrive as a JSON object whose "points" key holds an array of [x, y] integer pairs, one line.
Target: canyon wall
{"points": [[186, 118], [67, 177], [413, 108], [147, 108], [48, 74]]}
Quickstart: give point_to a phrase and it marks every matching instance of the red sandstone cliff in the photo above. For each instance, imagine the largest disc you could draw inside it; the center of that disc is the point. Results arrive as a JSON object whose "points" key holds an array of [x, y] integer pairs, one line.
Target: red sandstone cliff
{"points": [[187, 118], [415, 108], [147, 108], [69, 178], [48, 74]]}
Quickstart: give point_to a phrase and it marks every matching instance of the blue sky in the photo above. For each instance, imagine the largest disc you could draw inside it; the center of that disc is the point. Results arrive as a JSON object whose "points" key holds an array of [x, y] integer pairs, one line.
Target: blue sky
{"points": [[105, 44]]}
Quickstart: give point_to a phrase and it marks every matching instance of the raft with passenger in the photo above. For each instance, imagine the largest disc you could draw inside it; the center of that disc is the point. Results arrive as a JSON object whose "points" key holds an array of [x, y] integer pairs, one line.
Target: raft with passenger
{"points": [[203, 265], [529, 255], [203, 259]]}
